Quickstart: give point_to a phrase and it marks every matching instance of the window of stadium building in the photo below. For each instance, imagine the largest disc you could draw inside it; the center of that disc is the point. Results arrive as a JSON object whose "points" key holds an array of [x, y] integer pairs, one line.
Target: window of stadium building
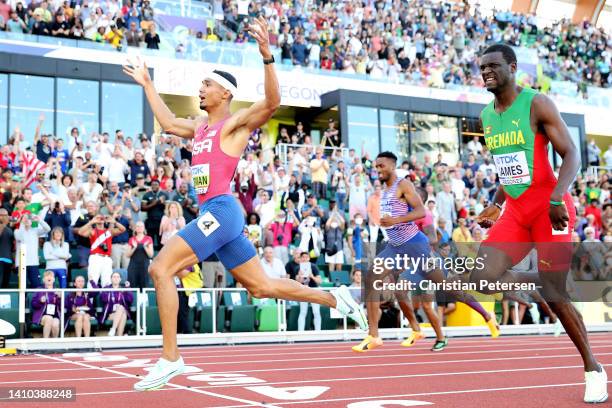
{"points": [[363, 129], [394, 133], [29, 96], [575, 136], [77, 106], [122, 108], [3, 103], [432, 135]]}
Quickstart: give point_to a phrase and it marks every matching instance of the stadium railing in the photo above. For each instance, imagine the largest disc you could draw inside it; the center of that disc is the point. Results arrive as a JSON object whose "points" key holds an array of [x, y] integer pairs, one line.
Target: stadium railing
{"points": [[593, 172], [184, 8], [282, 150]]}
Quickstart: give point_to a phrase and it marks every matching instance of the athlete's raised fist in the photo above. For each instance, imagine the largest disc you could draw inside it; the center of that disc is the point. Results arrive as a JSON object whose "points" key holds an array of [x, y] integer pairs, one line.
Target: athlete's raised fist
{"points": [[488, 216], [138, 71]]}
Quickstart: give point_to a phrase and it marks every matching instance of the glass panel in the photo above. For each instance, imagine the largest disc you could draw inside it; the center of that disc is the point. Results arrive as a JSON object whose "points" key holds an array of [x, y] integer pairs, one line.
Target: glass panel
{"points": [[433, 135], [394, 133], [29, 97], [363, 129], [122, 108], [449, 139], [3, 108], [424, 136], [471, 131], [77, 106]]}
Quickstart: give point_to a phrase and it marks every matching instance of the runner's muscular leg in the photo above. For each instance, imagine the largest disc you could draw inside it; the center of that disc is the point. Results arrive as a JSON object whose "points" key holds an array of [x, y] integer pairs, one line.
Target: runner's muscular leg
{"points": [[252, 276], [175, 256]]}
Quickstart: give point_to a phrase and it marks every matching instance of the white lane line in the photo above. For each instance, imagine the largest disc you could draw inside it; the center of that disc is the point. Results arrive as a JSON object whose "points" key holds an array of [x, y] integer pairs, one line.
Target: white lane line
{"points": [[423, 394], [61, 380], [386, 377], [405, 363], [176, 386], [346, 350], [532, 338], [374, 356]]}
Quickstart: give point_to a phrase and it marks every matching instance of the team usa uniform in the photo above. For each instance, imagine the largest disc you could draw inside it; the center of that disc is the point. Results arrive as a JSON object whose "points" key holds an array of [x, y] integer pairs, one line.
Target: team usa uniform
{"points": [[521, 160], [219, 228]]}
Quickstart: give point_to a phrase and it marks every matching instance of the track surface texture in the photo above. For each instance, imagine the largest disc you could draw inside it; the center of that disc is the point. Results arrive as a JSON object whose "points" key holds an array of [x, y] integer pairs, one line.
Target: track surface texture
{"points": [[517, 371]]}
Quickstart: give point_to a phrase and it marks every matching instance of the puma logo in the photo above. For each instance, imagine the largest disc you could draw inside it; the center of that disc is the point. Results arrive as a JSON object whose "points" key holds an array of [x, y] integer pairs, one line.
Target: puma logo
{"points": [[207, 224], [516, 122]]}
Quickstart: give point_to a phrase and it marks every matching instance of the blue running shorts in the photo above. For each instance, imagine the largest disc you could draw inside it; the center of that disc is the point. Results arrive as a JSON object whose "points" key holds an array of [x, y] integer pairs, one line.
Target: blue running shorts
{"points": [[417, 250], [219, 230]]}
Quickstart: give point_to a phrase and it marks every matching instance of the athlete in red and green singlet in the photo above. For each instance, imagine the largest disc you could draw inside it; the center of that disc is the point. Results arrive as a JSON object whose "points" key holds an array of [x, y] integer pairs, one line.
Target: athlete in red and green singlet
{"points": [[518, 126]]}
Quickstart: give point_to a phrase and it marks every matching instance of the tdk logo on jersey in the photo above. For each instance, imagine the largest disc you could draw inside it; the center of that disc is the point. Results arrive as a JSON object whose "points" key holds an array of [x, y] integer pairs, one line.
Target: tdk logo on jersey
{"points": [[507, 159], [202, 146]]}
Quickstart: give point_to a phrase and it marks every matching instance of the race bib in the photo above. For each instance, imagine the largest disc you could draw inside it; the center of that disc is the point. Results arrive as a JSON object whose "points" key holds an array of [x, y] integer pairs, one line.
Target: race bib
{"points": [[201, 177], [208, 223], [50, 309], [512, 168]]}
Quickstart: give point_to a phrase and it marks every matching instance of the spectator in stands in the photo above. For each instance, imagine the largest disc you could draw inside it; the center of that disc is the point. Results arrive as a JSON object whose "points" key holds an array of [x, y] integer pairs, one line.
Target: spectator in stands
{"points": [[340, 183], [373, 210], [171, 222], [331, 135], [282, 235], [27, 237], [319, 168], [57, 252], [133, 36], [474, 147], [308, 274], [151, 38], [314, 210], [445, 203], [15, 24], [272, 265], [265, 208], [357, 235], [58, 217], [358, 196], [187, 202], [310, 238], [593, 152], [46, 307], [92, 189], [334, 241], [299, 51], [100, 230], [6, 249], [120, 242], [154, 204], [116, 305], [80, 306], [83, 244], [39, 27], [140, 252]]}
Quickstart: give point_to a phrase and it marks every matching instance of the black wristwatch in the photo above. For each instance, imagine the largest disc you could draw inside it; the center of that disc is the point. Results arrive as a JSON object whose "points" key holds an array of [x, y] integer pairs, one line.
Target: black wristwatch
{"points": [[268, 61]]}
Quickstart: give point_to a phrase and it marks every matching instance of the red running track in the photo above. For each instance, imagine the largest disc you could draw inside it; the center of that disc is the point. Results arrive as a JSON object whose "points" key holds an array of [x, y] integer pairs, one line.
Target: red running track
{"points": [[519, 371]]}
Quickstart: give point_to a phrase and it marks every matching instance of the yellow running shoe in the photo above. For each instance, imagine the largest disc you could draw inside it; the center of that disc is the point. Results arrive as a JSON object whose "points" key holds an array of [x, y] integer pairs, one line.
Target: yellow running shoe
{"points": [[493, 326], [369, 343], [413, 338]]}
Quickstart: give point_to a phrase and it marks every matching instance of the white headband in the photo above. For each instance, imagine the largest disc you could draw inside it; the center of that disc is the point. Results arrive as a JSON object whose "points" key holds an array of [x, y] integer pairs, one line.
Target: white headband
{"points": [[213, 76]]}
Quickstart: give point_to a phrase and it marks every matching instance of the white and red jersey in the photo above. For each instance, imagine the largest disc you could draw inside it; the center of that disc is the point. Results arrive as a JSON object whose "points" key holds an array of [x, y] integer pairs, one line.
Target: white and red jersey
{"points": [[211, 169], [98, 238]]}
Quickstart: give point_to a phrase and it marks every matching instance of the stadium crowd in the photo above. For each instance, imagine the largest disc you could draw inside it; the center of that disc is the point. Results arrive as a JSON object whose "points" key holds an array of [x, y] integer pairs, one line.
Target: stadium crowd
{"points": [[423, 42], [106, 204]]}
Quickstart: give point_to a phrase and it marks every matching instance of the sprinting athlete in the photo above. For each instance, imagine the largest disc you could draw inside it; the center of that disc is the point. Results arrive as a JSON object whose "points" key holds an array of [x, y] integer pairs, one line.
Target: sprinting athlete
{"points": [[219, 140], [518, 125], [401, 205]]}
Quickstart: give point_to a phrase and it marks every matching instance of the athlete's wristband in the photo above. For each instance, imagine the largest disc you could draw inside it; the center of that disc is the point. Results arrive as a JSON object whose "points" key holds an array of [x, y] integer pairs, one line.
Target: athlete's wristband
{"points": [[556, 203], [498, 205]]}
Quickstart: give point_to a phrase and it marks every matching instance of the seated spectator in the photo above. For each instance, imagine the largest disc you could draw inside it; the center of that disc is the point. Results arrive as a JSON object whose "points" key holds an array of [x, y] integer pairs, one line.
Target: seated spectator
{"points": [[140, 252], [171, 222], [46, 307], [27, 236], [308, 274], [80, 307], [57, 253], [355, 287], [116, 305]]}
